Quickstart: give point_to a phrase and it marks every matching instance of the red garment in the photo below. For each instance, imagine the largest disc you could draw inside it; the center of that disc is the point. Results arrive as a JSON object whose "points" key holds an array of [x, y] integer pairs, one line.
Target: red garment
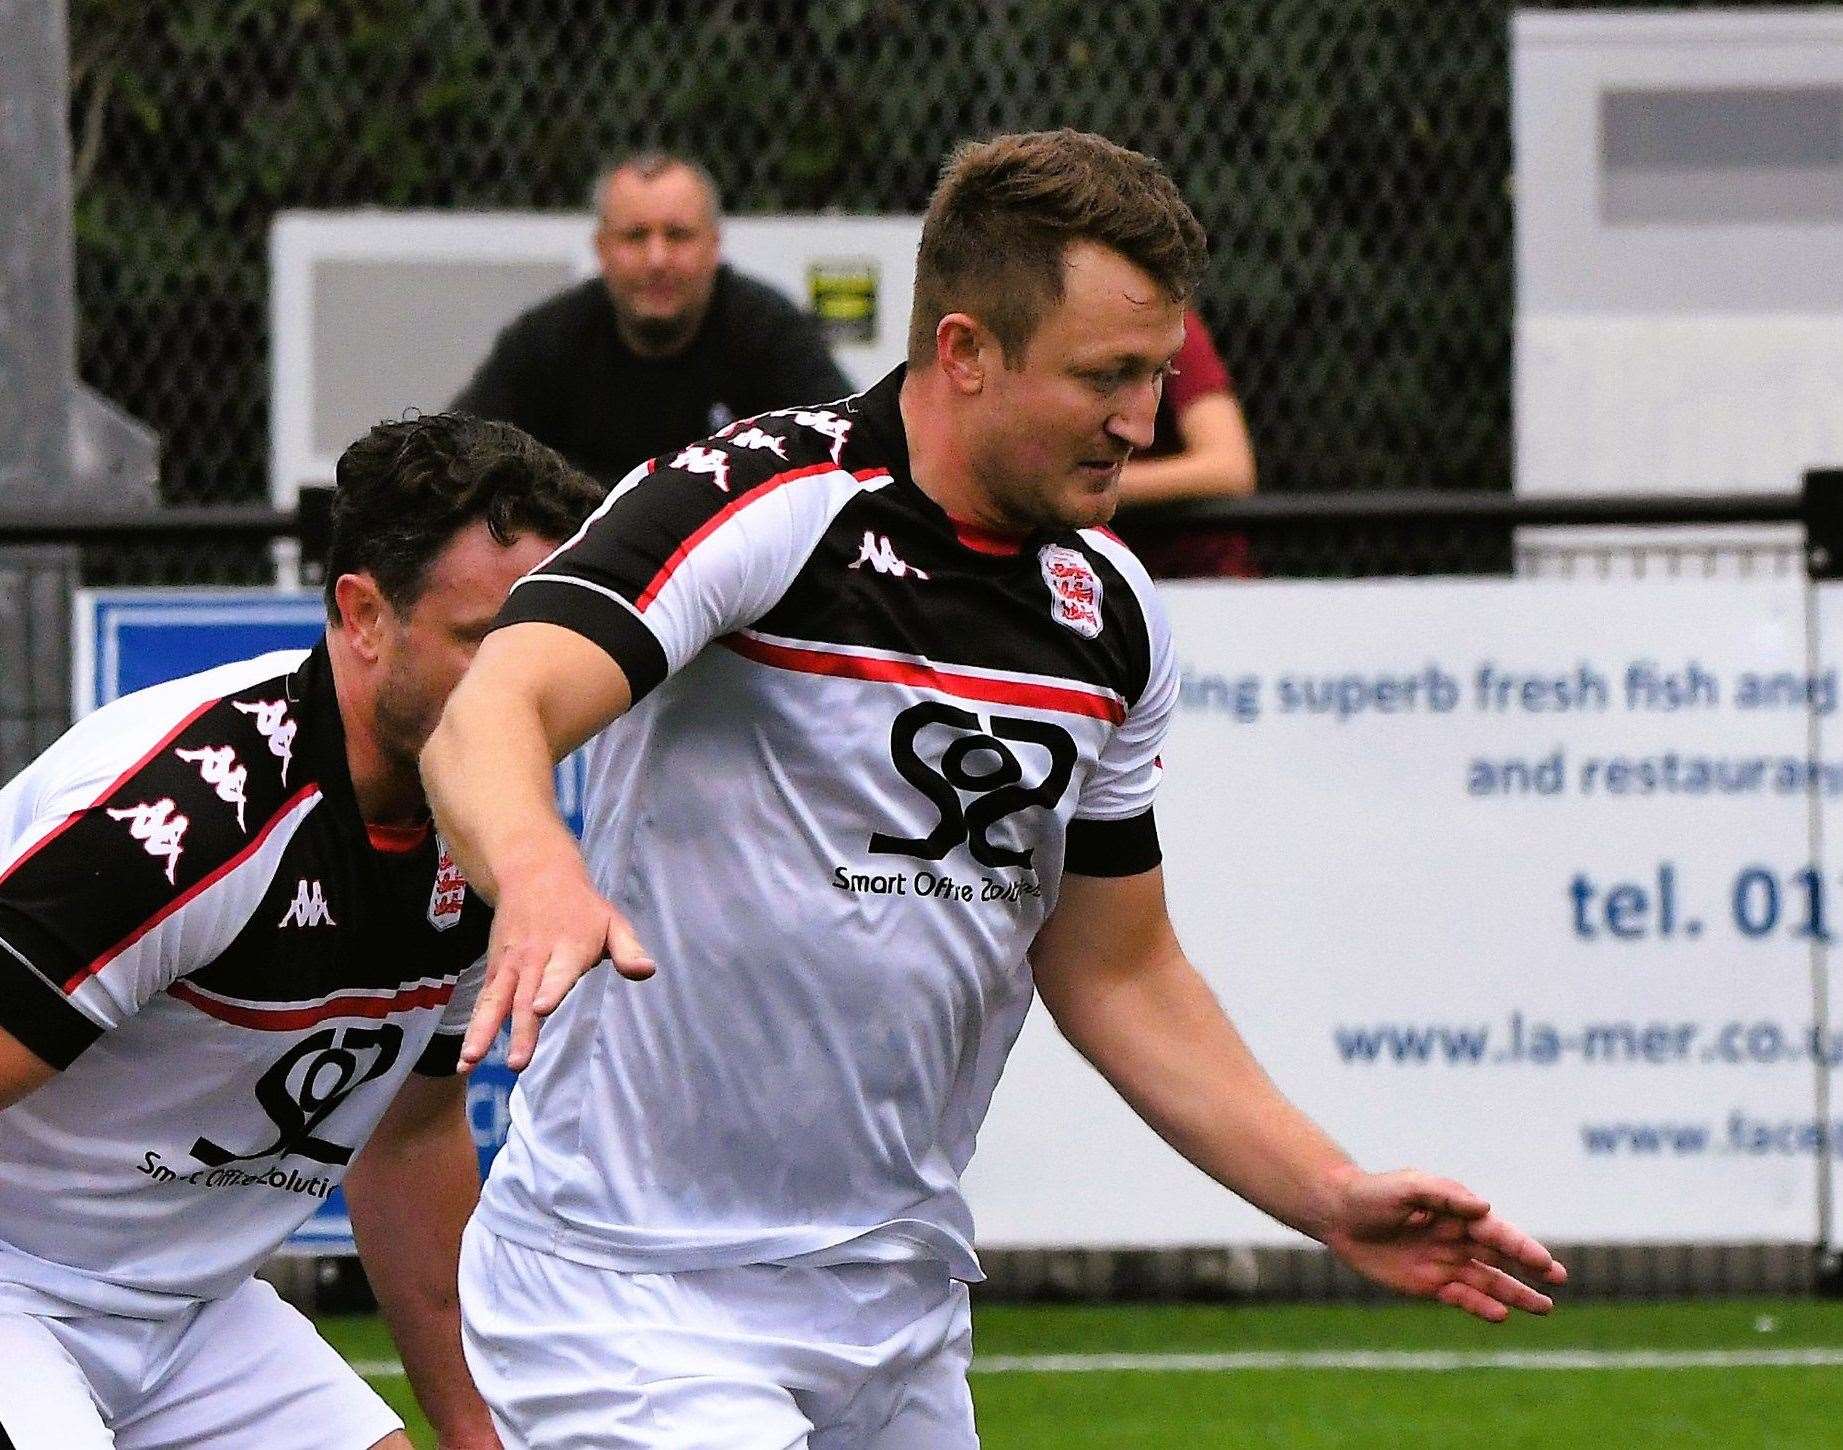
{"points": [[1200, 372], [1196, 553]]}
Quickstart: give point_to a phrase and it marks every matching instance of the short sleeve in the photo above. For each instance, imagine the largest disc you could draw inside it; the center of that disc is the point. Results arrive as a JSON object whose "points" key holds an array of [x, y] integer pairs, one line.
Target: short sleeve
{"points": [[117, 878], [1113, 832], [696, 544]]}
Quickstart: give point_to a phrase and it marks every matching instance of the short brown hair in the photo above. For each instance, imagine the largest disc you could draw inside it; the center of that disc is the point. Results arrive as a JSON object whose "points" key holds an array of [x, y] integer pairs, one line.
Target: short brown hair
{"points": [[1005, 212]]}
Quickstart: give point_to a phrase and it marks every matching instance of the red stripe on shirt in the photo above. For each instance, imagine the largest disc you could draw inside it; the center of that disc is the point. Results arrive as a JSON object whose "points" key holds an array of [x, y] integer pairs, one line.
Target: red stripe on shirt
{"points": [[722, 516], [290, 1019], [114, 786], [203, 884], [1061, 698]]}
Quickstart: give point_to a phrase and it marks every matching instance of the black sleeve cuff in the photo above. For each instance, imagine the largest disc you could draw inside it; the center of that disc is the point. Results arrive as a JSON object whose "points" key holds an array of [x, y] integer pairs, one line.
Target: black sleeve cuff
{"points": [[442, 1057], [629, 643], [32, 1006], [1113, 848]]}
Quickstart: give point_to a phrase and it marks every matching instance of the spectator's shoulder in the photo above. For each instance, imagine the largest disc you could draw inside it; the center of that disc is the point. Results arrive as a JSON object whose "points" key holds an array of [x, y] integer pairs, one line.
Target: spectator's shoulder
{"points": [[750, 307], [562, 314]]}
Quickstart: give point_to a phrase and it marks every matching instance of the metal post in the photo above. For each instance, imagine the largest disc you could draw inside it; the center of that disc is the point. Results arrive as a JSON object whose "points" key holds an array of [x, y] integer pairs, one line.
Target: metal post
{"points": [[37, 367], [1822, 507], [38, 355]]}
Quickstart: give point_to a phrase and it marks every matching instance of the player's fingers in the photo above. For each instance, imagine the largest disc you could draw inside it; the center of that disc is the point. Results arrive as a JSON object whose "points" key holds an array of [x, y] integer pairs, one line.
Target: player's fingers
{"points": [[489, 1012], [568, 964], [1461, 1295], [630, 959], [1516, 1248], [1442, 1195], [524, 1021], [1506, 1288]]}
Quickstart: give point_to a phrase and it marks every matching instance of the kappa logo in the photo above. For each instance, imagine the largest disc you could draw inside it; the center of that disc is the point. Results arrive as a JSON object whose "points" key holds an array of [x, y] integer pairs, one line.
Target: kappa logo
{"points": [[830, 424], [273, 724], [713, 461], [449, 893], [158, 830], [218, 767], [876, 552], [756, 438], [308, 907], [1074, 588]]}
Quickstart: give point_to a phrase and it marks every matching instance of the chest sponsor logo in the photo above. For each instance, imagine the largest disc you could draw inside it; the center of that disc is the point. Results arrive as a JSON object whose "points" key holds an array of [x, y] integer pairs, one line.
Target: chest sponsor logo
{"points": [[449, 894], [159, 830], [307, 1086], [218, 768], [1074, 589], [308, 907], [712, 462], [272, 723], [977, 772], [876, 552]]}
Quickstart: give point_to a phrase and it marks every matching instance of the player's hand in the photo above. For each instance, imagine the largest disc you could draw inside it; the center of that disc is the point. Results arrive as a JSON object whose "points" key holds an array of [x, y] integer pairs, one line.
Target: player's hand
{"points": [[550, 927], [1436, 1239]]}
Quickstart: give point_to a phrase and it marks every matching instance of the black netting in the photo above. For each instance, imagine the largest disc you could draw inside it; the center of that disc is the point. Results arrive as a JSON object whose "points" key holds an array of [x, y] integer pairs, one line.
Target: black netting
{"points": [[1351, 161]]}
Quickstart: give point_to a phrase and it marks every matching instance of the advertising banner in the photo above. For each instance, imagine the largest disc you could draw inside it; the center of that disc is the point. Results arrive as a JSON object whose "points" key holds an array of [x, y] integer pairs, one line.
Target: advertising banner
{"points": [[1524, 883], [1529, 883]]}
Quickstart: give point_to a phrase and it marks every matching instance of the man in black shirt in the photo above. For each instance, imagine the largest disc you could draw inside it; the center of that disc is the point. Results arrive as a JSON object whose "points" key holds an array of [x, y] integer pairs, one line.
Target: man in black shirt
{"points": [[664, 348]]}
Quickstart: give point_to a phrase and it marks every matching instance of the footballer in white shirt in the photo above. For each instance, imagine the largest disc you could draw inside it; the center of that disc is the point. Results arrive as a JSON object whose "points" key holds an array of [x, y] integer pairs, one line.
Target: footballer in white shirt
{"points": [[889, 701], [235, 966]]}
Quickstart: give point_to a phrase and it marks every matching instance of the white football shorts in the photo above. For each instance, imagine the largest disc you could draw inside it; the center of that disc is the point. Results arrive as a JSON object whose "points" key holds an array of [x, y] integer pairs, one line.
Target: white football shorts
{"points": [[762, 1357], [246, 1370]]}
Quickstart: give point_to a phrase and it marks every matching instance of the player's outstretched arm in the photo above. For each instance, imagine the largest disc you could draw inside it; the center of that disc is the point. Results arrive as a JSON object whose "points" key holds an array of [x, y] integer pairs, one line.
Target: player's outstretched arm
{"points": [[410, 1192], [533, 694], [1112, 974]]}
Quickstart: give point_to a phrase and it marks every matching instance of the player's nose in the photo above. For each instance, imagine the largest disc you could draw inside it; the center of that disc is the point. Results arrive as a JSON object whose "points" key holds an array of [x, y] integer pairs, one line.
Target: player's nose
{"points": [[1136, 419]]}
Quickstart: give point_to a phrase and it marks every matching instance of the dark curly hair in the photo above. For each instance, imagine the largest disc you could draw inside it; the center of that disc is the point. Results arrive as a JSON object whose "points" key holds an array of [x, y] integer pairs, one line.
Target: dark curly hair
{"points": [[408, 486]]}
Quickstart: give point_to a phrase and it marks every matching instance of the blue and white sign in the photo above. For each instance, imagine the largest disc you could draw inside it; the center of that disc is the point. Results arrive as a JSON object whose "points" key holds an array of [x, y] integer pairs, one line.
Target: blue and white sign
{"points": [[128, 639]]}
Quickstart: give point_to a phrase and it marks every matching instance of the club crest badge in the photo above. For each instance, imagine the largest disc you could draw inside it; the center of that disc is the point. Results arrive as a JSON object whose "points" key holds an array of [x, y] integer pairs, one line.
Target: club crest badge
{"points": [[1074, 589], [450, 891]]}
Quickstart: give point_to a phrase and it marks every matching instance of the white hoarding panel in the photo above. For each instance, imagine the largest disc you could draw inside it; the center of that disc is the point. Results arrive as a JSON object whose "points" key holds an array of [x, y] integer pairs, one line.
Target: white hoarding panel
{"points": [[1511, 881], [376, 312]]}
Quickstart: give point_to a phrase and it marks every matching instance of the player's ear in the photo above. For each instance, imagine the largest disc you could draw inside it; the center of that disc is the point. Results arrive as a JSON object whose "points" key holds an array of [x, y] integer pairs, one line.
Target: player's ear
{"points": [[363, 611], [962, 348]]}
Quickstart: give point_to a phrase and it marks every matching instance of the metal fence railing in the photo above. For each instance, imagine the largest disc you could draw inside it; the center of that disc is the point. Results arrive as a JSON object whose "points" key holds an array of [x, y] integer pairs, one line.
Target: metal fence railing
{"points": [[46, 554], [1352, 164]]}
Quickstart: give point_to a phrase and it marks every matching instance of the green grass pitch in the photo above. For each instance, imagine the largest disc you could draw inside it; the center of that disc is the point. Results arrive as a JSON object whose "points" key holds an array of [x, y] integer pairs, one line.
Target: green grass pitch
{"points": [[1581, 1386]]}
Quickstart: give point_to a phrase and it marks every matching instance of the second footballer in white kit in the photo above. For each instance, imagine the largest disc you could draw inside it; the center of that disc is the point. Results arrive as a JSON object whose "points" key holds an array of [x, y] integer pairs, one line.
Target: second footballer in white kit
{"points": [[235, 965]]}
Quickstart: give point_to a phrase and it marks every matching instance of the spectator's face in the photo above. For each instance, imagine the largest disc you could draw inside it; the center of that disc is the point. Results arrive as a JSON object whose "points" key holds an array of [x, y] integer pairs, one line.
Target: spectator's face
{"points": [[658, 247], [1050, 431]]}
